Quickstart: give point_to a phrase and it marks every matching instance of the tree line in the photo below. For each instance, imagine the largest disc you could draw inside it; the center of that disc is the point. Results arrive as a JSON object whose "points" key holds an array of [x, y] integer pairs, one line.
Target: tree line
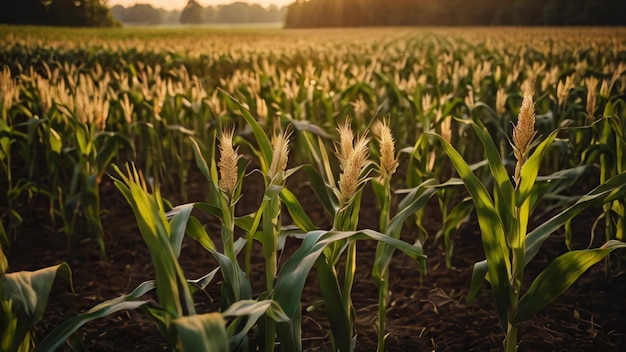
{"points": [[72, 13], [96, 13], [194, 13], [356, 13], [323, 13]]}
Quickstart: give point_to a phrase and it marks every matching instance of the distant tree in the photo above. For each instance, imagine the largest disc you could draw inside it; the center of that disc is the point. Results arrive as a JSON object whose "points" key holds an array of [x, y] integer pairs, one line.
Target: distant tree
{"points": [[192, 13], [169, 17], [76, 13], [211, 14], [551, 14], [237, 12], [137, 14], [352, 13], [118, 12], [274, 14], [256, 13], [22, 12]]}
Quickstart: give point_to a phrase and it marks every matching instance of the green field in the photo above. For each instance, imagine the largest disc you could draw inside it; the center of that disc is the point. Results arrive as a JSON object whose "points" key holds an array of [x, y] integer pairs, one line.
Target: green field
{"points": [[514, 132]]}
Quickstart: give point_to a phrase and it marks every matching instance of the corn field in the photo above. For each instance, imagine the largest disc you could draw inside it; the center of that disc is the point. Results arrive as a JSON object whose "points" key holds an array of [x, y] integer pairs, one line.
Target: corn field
{"points": [[390, 189]]}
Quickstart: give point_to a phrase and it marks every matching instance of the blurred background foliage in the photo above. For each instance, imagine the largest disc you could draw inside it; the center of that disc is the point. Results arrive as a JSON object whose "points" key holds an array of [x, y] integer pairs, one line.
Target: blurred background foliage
{"points": [[322, 13], [353, 13], [72, 13]]}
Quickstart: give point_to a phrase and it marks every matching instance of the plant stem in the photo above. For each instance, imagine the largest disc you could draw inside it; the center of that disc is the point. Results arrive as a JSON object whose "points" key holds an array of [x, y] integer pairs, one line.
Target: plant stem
{"points": [[518, 253], [271, 231], [383, 291], [228, 233], [605, 174], [510, 341], [349, 279]]}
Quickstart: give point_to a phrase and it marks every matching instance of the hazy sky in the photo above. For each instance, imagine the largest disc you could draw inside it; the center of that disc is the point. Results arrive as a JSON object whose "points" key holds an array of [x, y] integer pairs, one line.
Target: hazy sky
{"points": [[179, 4]]}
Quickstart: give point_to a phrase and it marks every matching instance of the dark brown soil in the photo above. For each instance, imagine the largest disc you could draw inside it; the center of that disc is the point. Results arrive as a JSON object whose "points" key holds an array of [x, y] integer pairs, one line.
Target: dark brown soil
{"points": [[426, 313]]}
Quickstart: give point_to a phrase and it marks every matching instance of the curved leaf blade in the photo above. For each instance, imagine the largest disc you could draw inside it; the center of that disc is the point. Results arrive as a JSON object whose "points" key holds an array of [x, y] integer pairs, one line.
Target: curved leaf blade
{"points": [[558, 277], [61, 333], [491, 229]]}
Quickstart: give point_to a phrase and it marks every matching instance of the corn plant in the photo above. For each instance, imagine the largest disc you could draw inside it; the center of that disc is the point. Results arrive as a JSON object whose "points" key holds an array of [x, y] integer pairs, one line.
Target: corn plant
{"points": [[503, 221], [610, 147], [413, 202], [428, 161], [23, 299], [79, 119], [11, 138], [342, 201], [320, 248], [175, 314]]}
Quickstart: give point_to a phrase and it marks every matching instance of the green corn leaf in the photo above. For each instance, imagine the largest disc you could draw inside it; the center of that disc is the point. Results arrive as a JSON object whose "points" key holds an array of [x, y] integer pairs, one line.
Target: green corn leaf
{"points": [[459, 215], [4, 243], [339, 319], [325, 162], [245, 222], [492, 232], [615, 186], [210, 208], [304, 125], [257, 308], [253, 311], [594, 152], [202, 282], [328, 199], [261, 138], [479, 273], [108, 144], [379, 192], [172, 291], [31, 126], [290, 281], [558, 277], [91, 210], [201, 162], [181, 129], [84, 143], [196, 230], [552, 186], [503, 188], [312, 148], [179, 219], [297, 213], [415, 199], [55, 141], [236, 285], [28, 291], [536, 238], [494, 159], [62, 332], [530, 170], [205, 332]]}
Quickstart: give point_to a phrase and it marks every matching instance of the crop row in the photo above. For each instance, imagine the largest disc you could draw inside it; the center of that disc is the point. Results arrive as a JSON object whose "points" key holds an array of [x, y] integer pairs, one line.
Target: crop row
{"points": [[500, 125]]}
